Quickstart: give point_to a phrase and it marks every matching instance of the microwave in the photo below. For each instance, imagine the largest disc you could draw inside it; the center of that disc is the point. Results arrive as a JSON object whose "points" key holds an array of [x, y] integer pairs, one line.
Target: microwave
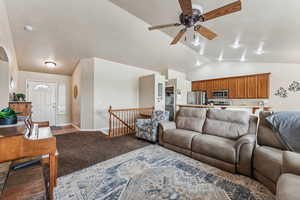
{"points": [[221, 94]]}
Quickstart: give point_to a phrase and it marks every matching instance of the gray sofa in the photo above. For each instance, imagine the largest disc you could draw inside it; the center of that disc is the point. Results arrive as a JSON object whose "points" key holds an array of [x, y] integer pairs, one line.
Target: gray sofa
{"points": [[221, 138], [267, 162], [227, 139], [289, 182]]}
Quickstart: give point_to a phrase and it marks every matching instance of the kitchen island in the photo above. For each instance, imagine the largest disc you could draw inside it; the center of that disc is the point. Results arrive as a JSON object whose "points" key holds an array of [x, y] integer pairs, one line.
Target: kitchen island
{"points": [[253, 109]]}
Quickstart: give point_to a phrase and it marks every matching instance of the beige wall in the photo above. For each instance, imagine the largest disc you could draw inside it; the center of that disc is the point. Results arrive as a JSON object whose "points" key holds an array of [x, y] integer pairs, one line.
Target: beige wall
{"points": [[7, 43], [61, 118], [76, 101], [282, 76], [117, 85]]}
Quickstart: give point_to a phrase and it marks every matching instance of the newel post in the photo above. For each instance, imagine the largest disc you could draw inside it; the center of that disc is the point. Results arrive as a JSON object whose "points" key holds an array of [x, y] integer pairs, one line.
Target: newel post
{"points": [[110, 131]]}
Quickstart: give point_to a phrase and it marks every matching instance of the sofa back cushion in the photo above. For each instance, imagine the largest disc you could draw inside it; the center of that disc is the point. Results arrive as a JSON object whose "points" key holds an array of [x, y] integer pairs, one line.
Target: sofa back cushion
{"points": [[266, 135], [227, 123], [191, 119]]}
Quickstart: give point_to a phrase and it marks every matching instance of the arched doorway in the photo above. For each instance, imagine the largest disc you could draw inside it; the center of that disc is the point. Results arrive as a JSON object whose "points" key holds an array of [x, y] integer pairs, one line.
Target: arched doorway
{"points": [[4, 78]]}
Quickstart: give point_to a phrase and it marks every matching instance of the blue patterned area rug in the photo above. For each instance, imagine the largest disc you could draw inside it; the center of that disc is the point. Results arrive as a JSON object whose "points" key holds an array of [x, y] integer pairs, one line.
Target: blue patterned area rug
{"points": [[154, 173]]}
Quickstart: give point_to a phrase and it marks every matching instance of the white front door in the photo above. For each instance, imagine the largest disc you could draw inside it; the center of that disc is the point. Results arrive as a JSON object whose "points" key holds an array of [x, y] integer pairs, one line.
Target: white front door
{"points": [[43, 98]]}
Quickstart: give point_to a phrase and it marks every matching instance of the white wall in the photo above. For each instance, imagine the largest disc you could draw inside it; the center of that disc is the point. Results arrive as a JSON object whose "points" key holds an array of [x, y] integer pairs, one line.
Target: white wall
{"points": [[4, 84], [146, 91], [61, 118], [282, 75], [87, 94], [115, 85], [7, 43]]}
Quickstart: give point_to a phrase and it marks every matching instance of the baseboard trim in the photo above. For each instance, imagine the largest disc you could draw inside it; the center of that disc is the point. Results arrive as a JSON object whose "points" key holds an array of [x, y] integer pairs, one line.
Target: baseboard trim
{"points": [[65, 124], [90, 130], [102, 130]]}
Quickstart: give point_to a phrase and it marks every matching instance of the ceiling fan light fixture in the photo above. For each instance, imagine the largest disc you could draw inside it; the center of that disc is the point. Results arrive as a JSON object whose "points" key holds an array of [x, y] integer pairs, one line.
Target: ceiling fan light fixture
{"points": [[196, 41], [50, 64]]}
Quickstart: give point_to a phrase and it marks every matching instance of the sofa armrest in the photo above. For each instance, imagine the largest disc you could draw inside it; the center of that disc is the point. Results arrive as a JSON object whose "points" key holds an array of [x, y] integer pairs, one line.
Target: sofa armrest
{"points": [[291, 163], [162, 127], [244, 151]]}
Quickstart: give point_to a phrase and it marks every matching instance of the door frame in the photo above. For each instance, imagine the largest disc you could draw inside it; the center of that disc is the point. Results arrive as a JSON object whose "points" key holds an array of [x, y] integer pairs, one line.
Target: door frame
{"points": [[56, 94]]}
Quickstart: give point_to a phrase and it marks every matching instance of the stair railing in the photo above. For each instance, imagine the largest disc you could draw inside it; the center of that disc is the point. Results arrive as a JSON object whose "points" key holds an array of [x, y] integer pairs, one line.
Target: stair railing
{"points": [[122, 121]]}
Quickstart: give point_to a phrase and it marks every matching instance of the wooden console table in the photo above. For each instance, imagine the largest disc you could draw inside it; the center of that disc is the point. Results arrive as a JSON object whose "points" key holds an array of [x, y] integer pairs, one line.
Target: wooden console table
{"points": [[14, 145]]}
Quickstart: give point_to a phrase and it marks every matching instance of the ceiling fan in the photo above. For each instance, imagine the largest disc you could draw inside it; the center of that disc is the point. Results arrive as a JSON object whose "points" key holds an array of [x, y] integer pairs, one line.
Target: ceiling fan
{"points": [[190, 17]]}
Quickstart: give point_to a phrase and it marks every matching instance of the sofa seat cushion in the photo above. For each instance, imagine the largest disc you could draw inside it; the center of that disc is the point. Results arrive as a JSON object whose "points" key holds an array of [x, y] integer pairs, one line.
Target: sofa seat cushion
{"points": [[288, 187], [226, 123], [180, 137], [191, 119], [268, 162], [216, 147]]}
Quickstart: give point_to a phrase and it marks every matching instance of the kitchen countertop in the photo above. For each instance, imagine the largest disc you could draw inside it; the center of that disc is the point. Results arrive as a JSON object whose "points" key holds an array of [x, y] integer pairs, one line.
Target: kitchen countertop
{"points": [[254, 108]]}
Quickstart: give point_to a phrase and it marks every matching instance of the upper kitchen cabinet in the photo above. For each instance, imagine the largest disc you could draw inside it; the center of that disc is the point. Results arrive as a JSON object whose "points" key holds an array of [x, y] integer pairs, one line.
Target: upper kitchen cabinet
{"points": [[263, 81], [252, 87], [232, 88], [209, 88], [220, 84], [241, 87]]}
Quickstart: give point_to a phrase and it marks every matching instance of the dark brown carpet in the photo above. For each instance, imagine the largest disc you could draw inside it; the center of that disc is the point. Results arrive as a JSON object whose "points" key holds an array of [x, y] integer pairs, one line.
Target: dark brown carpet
{"points": [[83, 149]]}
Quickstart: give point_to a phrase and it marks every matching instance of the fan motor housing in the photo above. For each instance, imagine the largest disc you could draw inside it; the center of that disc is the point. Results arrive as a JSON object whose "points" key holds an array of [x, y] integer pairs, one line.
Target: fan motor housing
{"points": [[190, 21]]}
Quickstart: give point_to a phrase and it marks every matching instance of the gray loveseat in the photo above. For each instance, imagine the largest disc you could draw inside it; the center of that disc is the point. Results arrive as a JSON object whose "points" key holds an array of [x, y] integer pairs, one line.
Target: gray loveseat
{"points": [[221, 138]]}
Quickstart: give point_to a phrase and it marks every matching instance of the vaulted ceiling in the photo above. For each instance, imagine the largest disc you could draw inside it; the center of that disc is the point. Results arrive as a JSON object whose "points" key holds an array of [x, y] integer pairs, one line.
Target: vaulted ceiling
{"points": [[68, 30]]}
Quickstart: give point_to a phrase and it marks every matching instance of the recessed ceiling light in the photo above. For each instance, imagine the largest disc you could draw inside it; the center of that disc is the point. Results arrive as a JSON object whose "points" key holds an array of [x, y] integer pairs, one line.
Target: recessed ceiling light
{"points": [[198, 63], [202, 49], [221, 56], [260, 49], [50, 64], [243, 58], [28, 28], [236, 43]]}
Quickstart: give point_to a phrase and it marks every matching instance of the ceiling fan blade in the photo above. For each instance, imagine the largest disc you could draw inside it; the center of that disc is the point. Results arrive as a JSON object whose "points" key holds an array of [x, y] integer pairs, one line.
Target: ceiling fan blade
{"points": [[228, 9], [186, 7], [205, 32], [163, 26], [178, 36]]}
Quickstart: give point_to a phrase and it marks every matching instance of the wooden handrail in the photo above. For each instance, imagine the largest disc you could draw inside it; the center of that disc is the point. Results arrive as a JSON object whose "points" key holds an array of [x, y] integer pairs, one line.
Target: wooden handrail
{"points": [[131, 109], [122, 121]]}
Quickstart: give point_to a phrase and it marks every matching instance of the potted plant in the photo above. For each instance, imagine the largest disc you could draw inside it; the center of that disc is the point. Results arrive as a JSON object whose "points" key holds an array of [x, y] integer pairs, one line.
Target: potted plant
{"points": [[8, 116]]}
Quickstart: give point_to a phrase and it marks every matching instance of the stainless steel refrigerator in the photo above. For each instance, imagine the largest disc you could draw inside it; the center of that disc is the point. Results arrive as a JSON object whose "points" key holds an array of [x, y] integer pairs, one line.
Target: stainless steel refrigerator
{"points": [[197, 98]]}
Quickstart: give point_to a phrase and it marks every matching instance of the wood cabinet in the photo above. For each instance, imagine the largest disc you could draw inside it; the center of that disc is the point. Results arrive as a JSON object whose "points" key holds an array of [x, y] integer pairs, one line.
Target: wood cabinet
{"points": [[232, 88], [220, 84], [252, 87], [242, 87], [209, 89], [24, 108], [263, 82]]}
